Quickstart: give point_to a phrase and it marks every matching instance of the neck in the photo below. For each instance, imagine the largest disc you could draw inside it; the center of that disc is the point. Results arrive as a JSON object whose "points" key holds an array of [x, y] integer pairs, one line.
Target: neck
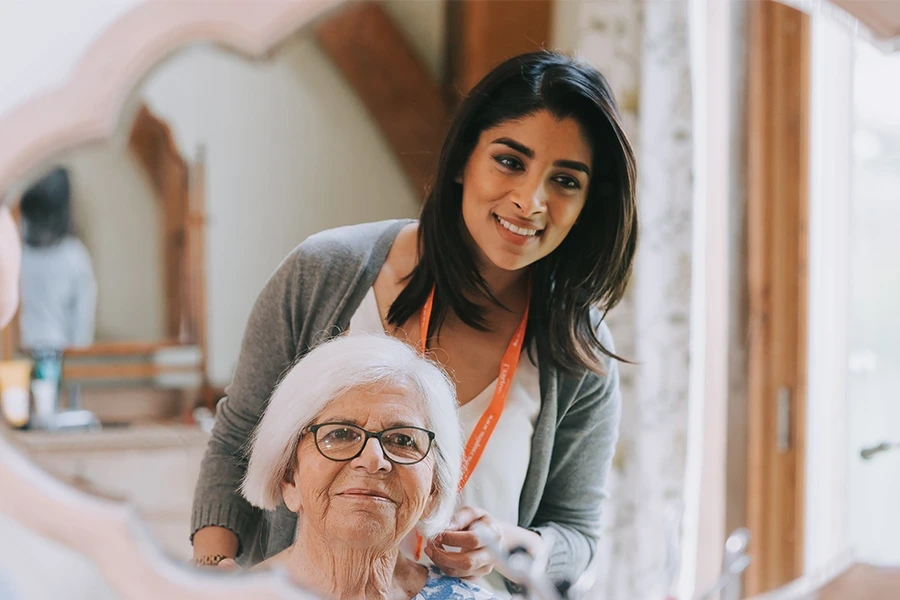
{"points": [[508, 287], [338, 570]]}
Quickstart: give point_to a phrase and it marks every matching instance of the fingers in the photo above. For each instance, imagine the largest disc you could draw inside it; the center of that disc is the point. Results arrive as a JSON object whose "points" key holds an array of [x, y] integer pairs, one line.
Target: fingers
{"points": [[473, 531], [464, 517], [228, 564], [480, 534], [477, 563]]}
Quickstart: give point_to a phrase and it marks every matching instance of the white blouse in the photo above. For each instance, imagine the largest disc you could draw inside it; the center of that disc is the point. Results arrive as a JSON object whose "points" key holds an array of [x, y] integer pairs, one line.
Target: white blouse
{"points": [[496, 483]]}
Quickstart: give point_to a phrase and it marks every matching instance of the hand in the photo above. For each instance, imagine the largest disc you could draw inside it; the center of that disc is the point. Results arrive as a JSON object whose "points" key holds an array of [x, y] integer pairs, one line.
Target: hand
{"points": [[228, 564], [213, 548], [471, 530]]}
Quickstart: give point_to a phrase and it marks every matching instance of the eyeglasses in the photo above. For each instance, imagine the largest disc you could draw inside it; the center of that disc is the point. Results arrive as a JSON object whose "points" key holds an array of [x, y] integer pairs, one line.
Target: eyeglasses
{"points": [[401, 445]]}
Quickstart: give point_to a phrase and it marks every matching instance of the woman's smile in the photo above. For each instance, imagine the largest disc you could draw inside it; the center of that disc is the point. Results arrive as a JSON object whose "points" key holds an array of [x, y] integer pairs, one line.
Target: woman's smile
{"points": [[365, 495], [517, 232]]}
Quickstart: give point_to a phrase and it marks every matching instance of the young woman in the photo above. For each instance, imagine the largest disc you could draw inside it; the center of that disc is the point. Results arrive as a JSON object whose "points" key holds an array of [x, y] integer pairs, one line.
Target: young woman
{"points": [[524, 242]]}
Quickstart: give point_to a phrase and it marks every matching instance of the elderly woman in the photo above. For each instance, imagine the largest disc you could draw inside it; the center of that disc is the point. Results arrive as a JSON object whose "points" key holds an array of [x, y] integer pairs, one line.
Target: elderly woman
{"points": [[362, 441]]}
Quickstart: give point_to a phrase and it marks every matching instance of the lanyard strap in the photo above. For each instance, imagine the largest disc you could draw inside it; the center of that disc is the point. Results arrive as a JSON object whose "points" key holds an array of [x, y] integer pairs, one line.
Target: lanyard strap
{"points": [[488, 421]]}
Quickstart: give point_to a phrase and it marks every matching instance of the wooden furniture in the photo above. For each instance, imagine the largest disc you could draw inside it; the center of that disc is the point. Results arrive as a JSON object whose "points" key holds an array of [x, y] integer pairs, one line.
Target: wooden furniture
{"points": [[777, 201]]}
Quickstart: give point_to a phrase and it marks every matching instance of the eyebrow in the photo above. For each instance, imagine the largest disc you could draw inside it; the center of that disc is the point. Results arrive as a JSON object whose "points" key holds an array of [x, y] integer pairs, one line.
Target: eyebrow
{"points": [[575, 165], [352, 421]]}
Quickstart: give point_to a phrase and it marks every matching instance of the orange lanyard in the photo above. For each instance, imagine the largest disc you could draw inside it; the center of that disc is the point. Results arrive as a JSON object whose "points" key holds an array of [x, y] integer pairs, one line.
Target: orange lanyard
{"points": [[488, 421]]}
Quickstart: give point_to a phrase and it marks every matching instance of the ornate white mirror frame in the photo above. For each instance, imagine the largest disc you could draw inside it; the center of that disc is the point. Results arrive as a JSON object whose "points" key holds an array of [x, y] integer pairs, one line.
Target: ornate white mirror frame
{"points": [[89, 108]]}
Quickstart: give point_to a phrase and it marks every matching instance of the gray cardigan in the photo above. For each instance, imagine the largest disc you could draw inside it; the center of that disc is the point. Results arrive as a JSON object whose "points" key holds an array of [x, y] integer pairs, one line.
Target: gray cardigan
{"points": [[310, 297]]}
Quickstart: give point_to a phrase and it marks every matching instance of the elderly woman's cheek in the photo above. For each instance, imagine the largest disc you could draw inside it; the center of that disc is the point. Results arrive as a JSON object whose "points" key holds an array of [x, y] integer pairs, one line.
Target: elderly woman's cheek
{"points": [[418, 504]]}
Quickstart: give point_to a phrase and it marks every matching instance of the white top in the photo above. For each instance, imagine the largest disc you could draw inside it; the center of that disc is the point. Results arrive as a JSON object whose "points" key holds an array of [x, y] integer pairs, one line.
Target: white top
{"points": [[496, 483], [59, 296]]}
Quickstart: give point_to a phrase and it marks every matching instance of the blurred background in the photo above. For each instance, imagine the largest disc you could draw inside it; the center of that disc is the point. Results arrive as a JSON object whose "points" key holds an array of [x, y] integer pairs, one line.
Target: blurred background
{"points": [[761, 317]]}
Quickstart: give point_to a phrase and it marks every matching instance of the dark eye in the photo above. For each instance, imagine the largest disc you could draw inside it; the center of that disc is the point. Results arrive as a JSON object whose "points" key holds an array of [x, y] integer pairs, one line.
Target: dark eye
{"points": [[570, 183], [510, 162], [401, 440], [340, 434]]}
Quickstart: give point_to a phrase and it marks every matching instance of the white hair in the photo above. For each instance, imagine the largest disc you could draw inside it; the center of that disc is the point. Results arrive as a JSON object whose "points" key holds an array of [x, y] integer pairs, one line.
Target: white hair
{"points": [[327, 372]]}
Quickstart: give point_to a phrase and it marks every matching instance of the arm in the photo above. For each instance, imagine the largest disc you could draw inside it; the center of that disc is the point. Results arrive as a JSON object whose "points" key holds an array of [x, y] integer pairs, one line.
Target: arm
{"points": [[10, 258], [568, 518], [222, 521]]}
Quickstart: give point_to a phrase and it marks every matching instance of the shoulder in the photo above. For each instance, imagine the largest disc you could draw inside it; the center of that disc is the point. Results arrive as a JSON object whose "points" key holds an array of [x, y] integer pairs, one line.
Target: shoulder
{"points": [[443, 587], [78, 255], [351, 245], [598, 389], [351, 240], [78, 248], [602, 328]]}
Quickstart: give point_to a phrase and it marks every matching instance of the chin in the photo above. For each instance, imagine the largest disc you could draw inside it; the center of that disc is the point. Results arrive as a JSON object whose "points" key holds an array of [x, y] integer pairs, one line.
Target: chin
{"points": [[364, 531], [509, 261]]}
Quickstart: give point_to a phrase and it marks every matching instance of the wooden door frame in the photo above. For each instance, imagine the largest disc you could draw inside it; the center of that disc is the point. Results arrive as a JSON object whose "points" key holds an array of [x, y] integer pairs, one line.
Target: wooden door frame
{"points": [[777, 221]]}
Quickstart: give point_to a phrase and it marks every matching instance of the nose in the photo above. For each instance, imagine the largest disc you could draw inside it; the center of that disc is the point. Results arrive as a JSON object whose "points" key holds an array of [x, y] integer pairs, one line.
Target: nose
{"points": [[372, 458], [531, 198]]}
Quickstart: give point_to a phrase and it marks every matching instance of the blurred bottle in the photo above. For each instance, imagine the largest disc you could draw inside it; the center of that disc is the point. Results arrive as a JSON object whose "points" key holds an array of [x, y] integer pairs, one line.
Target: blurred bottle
{"points": [[14, 398], [45, 384]]}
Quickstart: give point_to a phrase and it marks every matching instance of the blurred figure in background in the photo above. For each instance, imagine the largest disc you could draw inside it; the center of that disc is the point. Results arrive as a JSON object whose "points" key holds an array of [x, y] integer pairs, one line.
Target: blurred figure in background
{"points": [[59, 292]]}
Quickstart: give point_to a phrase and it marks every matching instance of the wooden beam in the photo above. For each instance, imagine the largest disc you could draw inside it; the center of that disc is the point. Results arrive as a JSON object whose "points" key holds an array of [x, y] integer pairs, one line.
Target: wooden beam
{"points": [[483, 33], [396, 88], [153, 145], [777, 209]]}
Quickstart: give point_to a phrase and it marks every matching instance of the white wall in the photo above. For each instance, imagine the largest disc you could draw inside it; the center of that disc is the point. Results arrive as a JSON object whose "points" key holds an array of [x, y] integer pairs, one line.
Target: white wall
{"points": [[119, 219], [41, 41], [290, 151]]}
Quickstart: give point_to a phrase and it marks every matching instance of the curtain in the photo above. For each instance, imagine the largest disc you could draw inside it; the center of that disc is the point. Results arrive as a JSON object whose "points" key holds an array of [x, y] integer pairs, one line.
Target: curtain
{"points": [[642, 48]]}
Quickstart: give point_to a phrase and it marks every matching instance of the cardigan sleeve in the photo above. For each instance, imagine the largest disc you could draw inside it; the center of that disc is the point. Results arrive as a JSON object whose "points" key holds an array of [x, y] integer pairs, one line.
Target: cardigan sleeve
{"points": [[568, 515], [267, 350]]}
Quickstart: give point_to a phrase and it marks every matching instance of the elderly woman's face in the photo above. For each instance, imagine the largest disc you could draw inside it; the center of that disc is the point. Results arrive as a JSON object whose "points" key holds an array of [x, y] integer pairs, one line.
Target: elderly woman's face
{"points": [[369, 499]]}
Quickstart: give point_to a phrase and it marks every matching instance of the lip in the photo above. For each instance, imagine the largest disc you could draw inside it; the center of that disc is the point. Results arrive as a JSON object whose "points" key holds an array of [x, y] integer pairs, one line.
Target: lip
{"points": [[515, 238], [366, 494], [520, 223]]}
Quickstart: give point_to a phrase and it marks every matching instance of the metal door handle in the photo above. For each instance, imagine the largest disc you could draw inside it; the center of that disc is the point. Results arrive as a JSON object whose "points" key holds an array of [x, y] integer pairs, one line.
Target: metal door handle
{"points": [[868, 453]]}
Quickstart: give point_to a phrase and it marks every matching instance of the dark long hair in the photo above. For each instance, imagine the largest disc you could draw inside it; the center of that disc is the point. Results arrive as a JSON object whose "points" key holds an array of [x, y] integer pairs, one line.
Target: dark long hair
{"points": [[46, 210], [592, 265]]}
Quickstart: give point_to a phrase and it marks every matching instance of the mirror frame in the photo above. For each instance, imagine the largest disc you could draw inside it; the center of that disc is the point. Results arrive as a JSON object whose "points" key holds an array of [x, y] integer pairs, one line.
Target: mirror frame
{"points": [[89, 108]]}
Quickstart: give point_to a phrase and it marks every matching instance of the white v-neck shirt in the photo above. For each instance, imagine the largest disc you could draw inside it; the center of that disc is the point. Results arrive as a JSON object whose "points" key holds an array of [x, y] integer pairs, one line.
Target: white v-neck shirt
{"points": [[496, 483]]}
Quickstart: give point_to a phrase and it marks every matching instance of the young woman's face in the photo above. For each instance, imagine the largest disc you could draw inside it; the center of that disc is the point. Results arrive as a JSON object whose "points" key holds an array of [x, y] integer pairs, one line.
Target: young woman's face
{"points": [[524, 187]]}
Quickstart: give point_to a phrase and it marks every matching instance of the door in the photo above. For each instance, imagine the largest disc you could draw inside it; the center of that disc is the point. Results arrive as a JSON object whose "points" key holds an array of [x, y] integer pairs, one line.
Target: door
{"points": [[873, 335]]}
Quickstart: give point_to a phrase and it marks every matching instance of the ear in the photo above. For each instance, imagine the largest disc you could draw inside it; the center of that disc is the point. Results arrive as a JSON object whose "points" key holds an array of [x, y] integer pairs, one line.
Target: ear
{"points": [[432, 502], [290, 491]]}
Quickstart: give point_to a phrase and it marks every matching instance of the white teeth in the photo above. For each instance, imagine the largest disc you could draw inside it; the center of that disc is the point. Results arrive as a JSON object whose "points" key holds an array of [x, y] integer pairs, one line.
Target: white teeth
{"points": [[516, 229]]}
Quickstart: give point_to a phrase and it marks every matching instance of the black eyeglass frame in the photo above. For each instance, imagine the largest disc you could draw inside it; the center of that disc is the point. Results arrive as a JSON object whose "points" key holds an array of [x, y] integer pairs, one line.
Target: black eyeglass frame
{"points": [[313, 429]]}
